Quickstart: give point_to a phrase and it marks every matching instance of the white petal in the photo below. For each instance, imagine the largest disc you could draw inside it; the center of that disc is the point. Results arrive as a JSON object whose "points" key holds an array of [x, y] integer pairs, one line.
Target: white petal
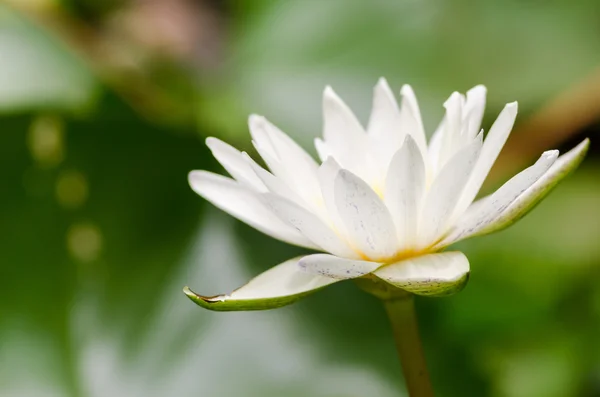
{"points": [[368, 222], [385, 133], [528, 199], [245, 205], [410, 117], [385, 112], [345, 137], [479, 216], [452, 128], [474, 108], [279, 286], [493, 144], [322, 149], [442, 197], [326, 174], [309, 225], [435, 150], [334, 267], [429, 275], [272, 183], [404, 189], [231, 159], [286, 158]]}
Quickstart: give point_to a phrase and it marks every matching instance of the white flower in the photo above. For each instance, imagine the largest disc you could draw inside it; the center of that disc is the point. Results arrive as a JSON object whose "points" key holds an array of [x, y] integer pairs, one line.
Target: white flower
{"points": [[382, 204]]}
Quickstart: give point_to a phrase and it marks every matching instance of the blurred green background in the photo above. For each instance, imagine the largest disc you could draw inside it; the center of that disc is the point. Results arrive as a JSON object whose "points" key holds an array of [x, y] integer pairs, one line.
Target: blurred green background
{"points": [[104, 106]]}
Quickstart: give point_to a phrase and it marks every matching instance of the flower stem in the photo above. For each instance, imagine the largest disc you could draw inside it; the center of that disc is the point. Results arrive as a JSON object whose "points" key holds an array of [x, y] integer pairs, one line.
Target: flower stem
{"points": [[401, 312]]}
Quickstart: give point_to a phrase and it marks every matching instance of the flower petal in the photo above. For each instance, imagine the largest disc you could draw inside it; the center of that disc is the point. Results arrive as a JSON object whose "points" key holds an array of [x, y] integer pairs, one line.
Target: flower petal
{"points": [[286, 159], [385, 132], [368, 221], [326, 174], [410, 117], [429, 275], [309, 225], [493, 144], [442, 197], [474, 108], [481, 215], [344, 135], [335, 267], [245, 205], [232, 160], [273, 184], [404, 189], [385, 113], [279, 286], [563, 166]]}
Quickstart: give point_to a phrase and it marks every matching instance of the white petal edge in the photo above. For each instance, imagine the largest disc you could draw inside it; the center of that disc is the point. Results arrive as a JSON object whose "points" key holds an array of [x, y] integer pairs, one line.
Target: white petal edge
{"points": [[279, 286], [335, 267], [563, 166], [429, 275], [233, 162], [245, 205], [410, 116], [445, 191], [294, 165], [480, 215], [404, 190], [309, 225], [368, 221], [344, 135], [474, 108], [492, 145]]}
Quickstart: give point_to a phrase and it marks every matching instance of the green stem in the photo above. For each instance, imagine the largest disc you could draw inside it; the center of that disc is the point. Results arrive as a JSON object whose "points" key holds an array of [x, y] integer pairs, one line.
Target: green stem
{"points": [[401, 312]]}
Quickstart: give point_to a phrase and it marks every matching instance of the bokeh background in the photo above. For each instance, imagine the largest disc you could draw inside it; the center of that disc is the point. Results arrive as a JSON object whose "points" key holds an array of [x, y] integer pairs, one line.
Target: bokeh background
{"points": [[104, 107]]}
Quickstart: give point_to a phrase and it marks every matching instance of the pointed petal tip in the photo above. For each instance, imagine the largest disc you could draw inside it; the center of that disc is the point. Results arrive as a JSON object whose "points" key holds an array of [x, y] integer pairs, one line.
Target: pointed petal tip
{"points": [[329, 92], [382, 84], [407, 90], [255, 119], [514, 106], [210, 141], [479, 88], [200, 300], [551, 154]]}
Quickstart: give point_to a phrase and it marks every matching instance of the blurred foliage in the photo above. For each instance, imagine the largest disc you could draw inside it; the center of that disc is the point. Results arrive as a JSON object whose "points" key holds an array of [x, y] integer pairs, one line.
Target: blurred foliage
{"points": [[99, 230], [37, 71]]}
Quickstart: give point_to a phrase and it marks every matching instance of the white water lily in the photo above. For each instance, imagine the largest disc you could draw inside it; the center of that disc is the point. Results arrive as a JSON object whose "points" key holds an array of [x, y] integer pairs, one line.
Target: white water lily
{"points": [[383, 203]]}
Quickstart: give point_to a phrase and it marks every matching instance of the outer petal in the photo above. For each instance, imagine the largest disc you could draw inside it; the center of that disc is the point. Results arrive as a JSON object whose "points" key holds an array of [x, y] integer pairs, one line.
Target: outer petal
{"points": [[404, 191], [430, 275], [565, 164], [410, 117], [245, 205], [445, 192], [309, 225], [493, 144], [326, 174], [474, 107], [286, 158], [343, 133], [368, 221], [233, 161], [482, 214], [385, 132], [335, 267], [279, 286], [272, 183]]}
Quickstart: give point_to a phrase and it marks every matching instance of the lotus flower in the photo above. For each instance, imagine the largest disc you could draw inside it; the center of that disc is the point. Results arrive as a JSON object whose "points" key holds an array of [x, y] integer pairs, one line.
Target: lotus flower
{"points": [[382, 205]]}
